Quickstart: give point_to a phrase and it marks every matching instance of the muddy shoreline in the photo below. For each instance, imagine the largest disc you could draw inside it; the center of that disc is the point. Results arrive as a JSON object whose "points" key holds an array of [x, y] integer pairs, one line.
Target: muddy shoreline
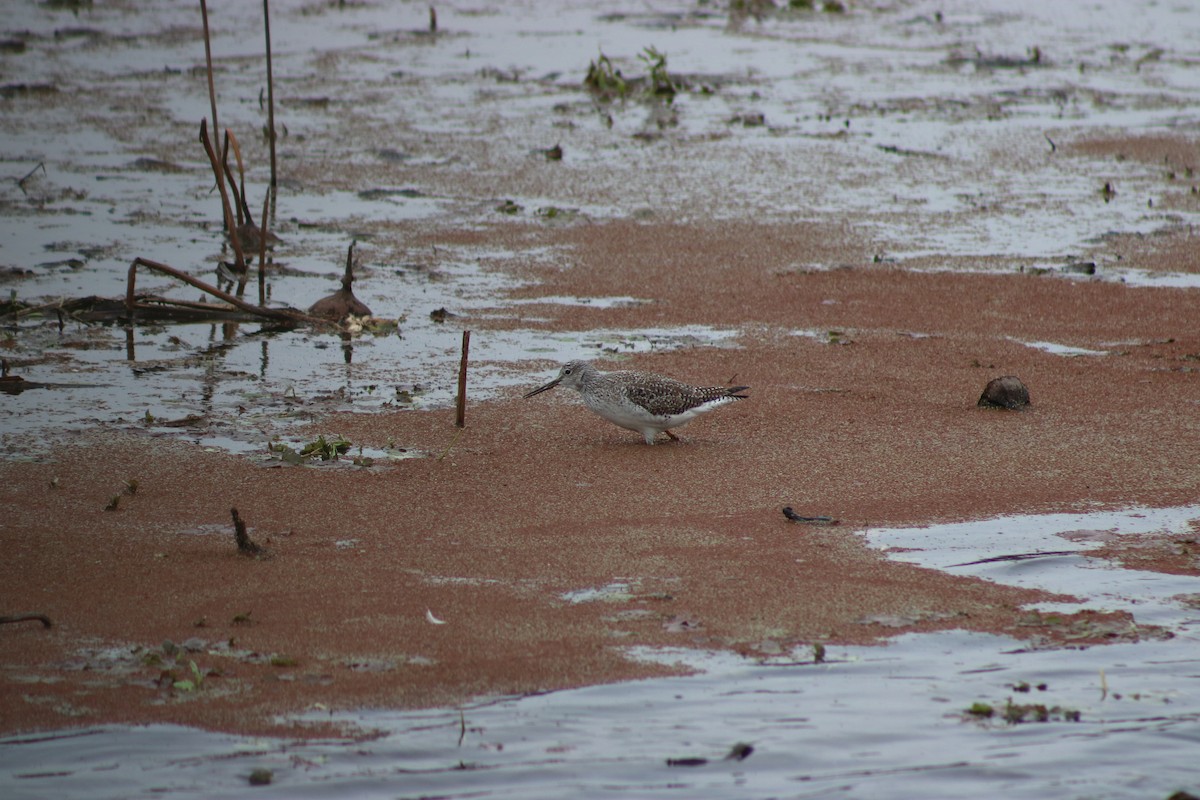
{"points": [[537, 499]]}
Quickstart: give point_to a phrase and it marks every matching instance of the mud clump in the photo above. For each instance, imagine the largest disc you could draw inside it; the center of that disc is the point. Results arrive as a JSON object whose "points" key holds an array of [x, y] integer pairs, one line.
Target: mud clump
{"points": [[1005, 392]]}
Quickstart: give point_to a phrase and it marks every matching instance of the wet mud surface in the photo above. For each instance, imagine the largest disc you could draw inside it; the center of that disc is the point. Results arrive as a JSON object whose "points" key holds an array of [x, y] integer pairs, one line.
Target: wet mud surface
{"points": [[865, 217]]}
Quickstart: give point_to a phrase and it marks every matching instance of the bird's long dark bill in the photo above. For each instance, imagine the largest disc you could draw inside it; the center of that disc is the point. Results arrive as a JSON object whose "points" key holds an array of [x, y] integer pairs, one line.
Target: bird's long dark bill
{"points": [[541, 389]]}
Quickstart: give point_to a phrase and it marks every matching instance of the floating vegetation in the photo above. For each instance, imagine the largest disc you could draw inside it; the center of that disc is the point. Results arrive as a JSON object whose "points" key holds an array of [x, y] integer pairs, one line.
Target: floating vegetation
{"points": [[607, 82], [1017, 713], [321, 448]]}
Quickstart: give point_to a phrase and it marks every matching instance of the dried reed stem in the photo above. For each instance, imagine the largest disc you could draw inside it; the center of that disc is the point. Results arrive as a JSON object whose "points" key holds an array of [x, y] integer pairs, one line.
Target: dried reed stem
{"points": [[460, 411]]}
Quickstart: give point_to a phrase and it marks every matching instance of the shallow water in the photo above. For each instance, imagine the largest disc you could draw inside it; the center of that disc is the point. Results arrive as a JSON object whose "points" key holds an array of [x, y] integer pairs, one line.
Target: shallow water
{"points": [[386, 128], [881, 722], [391, 130]]}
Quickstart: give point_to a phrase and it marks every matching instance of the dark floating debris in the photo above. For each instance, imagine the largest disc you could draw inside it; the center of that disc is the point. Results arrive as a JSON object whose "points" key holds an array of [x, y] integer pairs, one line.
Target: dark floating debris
{"points": [[740, 752], [1005, 392], [686, 762], [794, 517]]}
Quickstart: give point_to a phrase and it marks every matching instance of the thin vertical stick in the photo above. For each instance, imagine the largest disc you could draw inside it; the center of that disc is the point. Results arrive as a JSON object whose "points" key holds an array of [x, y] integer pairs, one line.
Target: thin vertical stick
{"points": [[262, 254], [460, 414], [212, 92], [270, 95]]}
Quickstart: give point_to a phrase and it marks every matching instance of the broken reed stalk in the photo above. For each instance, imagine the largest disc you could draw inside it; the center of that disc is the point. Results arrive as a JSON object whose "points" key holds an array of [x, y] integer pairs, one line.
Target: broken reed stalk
{"points": [[240, 194], [238, 188], [279, 314], [240, 261], [244, 543], [262, 254], [460, 411], [239, 203], [212, 92], [270, 97]]}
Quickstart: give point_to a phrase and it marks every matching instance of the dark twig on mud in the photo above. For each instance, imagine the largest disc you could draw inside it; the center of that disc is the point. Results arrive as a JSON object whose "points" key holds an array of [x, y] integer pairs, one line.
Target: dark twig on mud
{"points": [[460, 411], [244, 544], [278, 314], [1018, 557], [42, 618], [270, 98], [230, 225], [794, 517]]}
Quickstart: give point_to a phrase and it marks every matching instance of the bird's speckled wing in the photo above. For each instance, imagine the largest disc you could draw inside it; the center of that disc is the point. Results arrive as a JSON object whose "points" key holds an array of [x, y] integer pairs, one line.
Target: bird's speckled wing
{"points": [[665, 397]]}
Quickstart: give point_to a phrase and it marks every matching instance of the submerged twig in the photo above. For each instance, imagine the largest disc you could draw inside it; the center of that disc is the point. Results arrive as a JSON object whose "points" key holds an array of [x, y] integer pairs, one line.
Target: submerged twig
{"points": [[1018, 557], [21, 183]]}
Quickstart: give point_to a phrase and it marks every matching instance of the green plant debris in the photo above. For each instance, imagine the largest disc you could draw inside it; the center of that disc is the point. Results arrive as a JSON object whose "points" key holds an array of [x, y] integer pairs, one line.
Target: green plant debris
{"points": [[283, 661], [1019, 713], [323, 449], [661, 83], [193, 684], [605, 80], [326, 449], [607, 83], [981, 710]]}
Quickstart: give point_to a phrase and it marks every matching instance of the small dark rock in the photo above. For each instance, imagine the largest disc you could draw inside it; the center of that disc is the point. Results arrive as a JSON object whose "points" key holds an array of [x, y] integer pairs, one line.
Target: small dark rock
{"points": [[1005, 392], [261, 777]]}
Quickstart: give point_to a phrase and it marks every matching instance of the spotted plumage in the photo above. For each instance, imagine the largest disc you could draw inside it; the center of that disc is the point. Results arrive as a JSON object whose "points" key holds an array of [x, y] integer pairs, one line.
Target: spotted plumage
{"points": [[641, 401]]}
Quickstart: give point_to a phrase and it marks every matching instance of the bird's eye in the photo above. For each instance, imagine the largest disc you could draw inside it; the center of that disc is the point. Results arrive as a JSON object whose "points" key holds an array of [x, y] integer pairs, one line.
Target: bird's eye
{"points": [[566, 370]]}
